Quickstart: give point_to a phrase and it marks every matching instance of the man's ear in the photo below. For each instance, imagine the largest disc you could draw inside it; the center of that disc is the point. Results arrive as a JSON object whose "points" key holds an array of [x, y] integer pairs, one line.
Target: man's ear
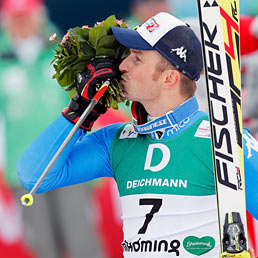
{"points": [[171, 78]]}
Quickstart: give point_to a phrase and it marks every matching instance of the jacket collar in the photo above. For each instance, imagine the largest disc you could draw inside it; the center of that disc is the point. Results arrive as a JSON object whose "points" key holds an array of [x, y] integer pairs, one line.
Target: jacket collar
{"points": [[170, 119]]}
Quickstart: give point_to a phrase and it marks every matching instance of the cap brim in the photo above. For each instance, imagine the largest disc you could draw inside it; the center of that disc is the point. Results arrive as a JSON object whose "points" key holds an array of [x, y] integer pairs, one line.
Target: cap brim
{"points": [[130, 38]]}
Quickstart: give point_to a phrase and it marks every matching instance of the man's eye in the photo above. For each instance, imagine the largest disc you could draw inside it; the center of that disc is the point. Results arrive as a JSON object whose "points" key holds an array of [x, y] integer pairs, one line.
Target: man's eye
{"points": [[136, 59]]}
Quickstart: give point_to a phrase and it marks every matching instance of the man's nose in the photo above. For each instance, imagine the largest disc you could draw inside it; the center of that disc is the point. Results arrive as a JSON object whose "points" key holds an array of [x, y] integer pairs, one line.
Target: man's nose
{"points": [[123, 65]]}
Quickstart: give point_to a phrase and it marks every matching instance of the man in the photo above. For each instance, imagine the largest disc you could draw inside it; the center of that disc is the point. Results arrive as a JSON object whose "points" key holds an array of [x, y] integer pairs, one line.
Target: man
{"points": [[162, 163]]}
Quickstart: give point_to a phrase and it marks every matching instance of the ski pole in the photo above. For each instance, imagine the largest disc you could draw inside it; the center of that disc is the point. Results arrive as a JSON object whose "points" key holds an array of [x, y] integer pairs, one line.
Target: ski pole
{"points": [[27, 199]]}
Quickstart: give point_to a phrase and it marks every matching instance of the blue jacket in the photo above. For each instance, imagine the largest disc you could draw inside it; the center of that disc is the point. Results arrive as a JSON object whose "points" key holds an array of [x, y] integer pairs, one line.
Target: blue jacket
{"points": [[87, 157]]}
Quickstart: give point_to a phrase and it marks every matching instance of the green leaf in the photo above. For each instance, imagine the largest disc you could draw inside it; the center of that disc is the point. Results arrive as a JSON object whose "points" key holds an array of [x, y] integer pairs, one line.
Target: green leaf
{"points": [[56, 76], [66, 77], [107, 41], [113, 103], [56, 67], [79, 51], [96, 33], [87, 49], [80, 64], [100, 52], [70, 62], [79, 33], [110, 21], [111, 90], [71, 86], [75, 31], [85, 34], [66, 52], [83, 59], [79, 67], [72, 92]]}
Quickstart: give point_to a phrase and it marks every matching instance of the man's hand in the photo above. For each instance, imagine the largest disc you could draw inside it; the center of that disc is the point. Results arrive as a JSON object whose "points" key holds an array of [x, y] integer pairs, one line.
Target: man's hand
{"points": [[96, 73]]}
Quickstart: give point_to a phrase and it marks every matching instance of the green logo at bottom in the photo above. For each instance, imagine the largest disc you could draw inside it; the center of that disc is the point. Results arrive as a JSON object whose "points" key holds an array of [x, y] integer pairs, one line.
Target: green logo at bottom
{"points": [[198, 246]]}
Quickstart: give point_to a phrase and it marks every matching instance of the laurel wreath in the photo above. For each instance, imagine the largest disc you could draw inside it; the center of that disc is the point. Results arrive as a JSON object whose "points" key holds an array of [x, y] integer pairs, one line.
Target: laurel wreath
{"points": [[79, 46]]}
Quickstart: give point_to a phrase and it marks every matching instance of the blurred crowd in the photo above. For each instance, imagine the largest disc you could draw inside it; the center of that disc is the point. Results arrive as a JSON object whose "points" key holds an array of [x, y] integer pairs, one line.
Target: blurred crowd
{"points": [[84, 220]]}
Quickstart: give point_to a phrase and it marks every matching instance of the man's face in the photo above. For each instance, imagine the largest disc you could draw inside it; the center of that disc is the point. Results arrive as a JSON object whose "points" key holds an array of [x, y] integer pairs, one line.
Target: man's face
{"points": [[140, 79]]}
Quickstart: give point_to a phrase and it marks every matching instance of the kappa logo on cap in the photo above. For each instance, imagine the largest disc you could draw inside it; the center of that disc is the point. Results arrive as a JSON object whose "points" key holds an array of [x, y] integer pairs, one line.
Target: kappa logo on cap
{"points": [[151, 25], [181, 52]]}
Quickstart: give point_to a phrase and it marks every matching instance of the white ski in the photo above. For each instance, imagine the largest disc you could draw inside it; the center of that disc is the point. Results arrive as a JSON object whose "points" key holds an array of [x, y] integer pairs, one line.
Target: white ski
{"points": [[219, 23]]}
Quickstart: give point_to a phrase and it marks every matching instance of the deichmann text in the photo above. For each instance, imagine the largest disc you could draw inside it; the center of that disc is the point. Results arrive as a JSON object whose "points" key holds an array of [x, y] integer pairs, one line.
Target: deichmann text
{"points": [[156, 182]]}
